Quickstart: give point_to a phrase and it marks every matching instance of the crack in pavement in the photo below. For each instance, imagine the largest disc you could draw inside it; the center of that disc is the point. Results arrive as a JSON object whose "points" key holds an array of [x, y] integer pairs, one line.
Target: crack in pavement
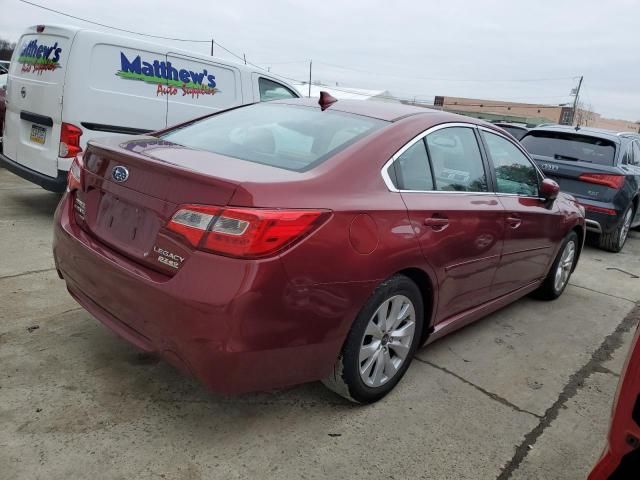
{"points": [[602, 293], [489, 394], [604, 353], [28, 272]]}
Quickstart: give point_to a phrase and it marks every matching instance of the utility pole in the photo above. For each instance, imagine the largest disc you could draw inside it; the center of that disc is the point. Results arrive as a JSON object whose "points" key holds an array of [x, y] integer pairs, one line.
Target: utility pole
{"points": [[575, 101], [212, 47], [245, 58], [310, 65]]}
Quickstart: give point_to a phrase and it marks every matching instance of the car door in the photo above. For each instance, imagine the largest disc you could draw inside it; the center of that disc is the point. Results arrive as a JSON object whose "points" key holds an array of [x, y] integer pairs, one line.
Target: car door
{"points": [[459, 223], [533, 226]]}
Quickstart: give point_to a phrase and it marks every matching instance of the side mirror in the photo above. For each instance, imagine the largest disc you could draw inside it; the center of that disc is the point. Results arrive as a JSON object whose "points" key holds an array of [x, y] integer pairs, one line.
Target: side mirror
{"points": [[549, 189]]}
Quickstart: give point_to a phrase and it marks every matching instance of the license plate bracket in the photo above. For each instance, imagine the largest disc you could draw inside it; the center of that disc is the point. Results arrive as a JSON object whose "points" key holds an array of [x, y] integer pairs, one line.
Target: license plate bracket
{"points": [[38, 134]]}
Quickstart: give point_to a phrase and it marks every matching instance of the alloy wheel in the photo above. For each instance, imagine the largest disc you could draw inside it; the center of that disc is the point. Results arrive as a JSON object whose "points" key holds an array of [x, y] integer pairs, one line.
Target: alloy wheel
{"points": [[387, 340], [563, 271], [626, 225]]}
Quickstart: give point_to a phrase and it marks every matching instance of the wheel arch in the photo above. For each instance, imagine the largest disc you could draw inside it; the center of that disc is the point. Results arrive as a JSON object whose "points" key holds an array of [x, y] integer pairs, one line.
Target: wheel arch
{"points": [[426, 286], [581, 232]]}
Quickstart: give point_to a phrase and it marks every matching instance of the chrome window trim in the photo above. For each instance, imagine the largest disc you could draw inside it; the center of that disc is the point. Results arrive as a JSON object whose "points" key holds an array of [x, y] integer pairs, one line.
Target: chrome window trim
{"points": [[392, 188]]}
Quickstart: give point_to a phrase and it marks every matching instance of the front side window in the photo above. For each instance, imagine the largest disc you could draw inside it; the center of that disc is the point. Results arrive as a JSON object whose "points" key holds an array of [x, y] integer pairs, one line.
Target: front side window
{"points": [[456, 160], [270, 90], [515, 173], [411, 170], [285, 136]]}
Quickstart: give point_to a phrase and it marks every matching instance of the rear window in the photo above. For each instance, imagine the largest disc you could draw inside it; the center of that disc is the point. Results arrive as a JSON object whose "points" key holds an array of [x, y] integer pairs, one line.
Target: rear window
{"points": [[517, 132], [285, 136], [566, 146]]}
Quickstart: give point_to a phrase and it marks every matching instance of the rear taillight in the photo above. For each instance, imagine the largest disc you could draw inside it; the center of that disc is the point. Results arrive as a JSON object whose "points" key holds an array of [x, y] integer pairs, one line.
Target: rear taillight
{"points": [[611, 181], [593, 208], [69, 141], [243, 232], [74, 177]]}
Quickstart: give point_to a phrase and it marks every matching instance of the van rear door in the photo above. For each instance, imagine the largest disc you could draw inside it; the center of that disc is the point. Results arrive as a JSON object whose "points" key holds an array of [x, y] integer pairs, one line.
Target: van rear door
{"points": [[197, 87], [34, 98]]}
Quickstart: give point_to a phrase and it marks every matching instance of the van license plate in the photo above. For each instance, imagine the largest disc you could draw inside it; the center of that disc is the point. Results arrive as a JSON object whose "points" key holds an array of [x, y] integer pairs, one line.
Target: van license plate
{"points": [[38, 134]]}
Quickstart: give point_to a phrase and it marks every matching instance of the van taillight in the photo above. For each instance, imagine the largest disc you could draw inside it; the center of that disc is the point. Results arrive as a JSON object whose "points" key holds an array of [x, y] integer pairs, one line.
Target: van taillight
{"points": [[69, 141], [244, 232], [40, 28], [611, 181]]}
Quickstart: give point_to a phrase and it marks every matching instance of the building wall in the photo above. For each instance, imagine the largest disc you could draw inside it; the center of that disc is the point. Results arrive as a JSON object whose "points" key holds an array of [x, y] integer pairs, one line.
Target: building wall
{"points": [[545, 113]]}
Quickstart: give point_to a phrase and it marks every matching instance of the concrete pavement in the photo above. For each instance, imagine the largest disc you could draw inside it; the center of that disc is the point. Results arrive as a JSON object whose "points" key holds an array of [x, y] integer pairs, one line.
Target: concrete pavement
{"points": [[525, 393]]}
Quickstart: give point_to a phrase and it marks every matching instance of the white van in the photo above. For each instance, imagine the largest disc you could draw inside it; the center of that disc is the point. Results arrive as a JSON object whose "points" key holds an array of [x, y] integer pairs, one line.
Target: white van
{"points": [[68, 85]]}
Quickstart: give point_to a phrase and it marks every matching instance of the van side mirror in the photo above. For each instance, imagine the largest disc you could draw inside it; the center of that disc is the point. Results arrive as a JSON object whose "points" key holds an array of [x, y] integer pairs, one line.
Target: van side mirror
{"points": [[549, 189]]}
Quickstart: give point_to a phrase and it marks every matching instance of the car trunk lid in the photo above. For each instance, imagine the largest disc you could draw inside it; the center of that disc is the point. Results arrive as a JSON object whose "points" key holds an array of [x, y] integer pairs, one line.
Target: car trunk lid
{"points": [[128, 197]]}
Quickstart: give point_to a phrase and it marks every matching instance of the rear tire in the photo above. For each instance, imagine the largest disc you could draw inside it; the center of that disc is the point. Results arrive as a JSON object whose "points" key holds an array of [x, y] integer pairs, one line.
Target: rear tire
{"points": [[560, 272], [615, 240], [381, 343]]}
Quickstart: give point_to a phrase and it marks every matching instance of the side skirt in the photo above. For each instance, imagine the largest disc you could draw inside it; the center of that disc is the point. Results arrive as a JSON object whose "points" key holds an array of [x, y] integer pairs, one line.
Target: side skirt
{"points": [[469, 316]]}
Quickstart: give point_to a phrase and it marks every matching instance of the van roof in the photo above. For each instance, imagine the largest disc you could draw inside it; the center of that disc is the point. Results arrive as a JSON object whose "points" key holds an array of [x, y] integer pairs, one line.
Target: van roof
{"points": [[72, 30]]}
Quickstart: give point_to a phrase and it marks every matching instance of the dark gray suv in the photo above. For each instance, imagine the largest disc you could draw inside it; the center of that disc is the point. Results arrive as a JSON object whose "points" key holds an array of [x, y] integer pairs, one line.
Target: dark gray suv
{"points": [[601, 168]]}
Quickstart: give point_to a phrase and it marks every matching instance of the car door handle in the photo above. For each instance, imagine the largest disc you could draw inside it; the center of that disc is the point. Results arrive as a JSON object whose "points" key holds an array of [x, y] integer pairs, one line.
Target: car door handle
{"points": [[514, 221], [437, 223]]}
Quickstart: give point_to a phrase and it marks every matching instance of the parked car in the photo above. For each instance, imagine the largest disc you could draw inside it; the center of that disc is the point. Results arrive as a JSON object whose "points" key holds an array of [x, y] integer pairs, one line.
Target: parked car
{"points": [[111, 84], [286, 242], [516, 129], [600, 168], [621, 457], [3, 90]]}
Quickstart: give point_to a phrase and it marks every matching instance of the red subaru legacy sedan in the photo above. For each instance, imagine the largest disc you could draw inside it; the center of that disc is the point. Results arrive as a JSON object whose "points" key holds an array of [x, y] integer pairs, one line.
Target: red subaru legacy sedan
{"points": [[288, 242]]}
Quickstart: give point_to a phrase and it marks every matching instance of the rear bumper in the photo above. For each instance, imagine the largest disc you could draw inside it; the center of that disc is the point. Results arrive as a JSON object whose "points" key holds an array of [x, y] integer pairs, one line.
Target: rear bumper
{"points": [[236, 325], [598, 221], [54, 184]]}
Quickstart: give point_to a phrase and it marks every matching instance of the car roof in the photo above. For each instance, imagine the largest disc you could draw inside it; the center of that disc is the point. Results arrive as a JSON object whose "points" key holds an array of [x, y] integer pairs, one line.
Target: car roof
{"points": [[587, 131], [388, 111], [509, 124]]}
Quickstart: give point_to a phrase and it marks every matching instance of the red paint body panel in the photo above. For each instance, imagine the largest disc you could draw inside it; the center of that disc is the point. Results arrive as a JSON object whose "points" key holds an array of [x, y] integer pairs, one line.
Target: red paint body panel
{"points": [[623, 426], [240, 324]]}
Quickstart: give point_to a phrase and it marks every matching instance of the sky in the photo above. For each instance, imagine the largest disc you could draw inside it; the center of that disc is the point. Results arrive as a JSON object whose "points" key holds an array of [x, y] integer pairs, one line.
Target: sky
{"points": [[490, 49]]}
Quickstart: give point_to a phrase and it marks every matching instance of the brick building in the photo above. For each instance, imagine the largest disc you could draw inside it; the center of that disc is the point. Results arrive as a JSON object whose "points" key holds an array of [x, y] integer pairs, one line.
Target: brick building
{"points": [[529, 113]]}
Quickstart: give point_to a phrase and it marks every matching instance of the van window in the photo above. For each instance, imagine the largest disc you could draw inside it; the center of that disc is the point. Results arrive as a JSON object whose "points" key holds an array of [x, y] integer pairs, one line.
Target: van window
{"points": [[285, 136], [270, 90]]}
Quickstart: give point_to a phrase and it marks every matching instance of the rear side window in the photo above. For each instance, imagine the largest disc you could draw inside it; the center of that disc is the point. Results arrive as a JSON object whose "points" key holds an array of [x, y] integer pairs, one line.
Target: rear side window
{"points": [[285, 136], [515, 174], [411, 170], [456, 160], [568, 146], [270, 90]]}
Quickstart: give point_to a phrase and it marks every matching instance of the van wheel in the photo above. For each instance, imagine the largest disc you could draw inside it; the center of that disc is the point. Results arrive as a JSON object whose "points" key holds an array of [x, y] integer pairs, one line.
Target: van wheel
{"points": [[381, 343], [558, 277], [614, 241]]}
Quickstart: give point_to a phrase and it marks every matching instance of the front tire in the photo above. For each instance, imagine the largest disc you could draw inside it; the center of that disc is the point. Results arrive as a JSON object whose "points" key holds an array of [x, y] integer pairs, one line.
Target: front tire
{"points": [[615, 240], [381, 343], [560, 272]]}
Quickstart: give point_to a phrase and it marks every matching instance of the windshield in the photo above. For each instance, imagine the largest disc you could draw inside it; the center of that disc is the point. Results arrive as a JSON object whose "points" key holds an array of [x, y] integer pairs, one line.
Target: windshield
{"points": [[285, 136], [567, 146]]}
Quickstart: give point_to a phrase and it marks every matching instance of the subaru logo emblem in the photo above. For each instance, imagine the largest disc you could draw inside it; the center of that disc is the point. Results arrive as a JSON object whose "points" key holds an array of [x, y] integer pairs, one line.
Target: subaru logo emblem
{"points": [[23, 92], [120, 174]]}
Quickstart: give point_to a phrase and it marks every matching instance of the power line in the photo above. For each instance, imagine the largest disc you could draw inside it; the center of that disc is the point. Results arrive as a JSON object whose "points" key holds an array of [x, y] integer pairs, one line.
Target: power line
{"points": [[450, 79], [113, 28]]}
